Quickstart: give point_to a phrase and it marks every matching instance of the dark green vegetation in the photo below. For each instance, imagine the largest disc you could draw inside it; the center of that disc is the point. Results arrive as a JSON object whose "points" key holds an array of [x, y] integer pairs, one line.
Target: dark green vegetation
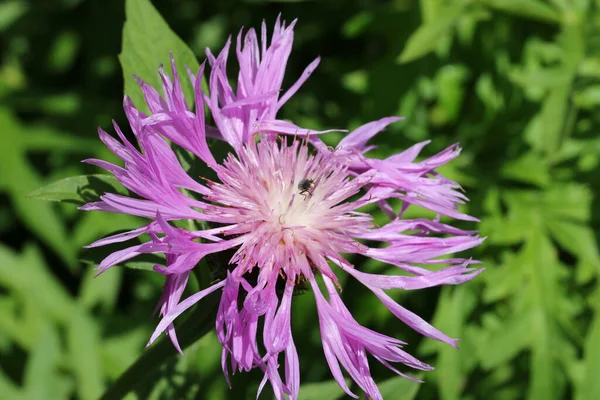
{"points": [[516, 82]]}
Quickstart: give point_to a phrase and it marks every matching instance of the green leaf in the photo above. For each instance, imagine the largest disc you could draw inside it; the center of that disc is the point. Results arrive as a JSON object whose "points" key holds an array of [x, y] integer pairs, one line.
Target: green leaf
{"points": [[199, 322], [18, 178], [79, 189], [322, 390], [450, 82], [588, 97], [42, 377], [589, 387], [120, 351], [8, 389], [147, 40], [427, 37], [452, 366], [489, 94], [11, 11], [399, 387], [28, 275], [529, 168], [576, 238], [531, 9], [144, 262], [40, 138], [356, 24], [84, 345], [499, 346], [547, 341], [571, 201], [503, 280], [546, 132], [142, 265], [100, 292]]}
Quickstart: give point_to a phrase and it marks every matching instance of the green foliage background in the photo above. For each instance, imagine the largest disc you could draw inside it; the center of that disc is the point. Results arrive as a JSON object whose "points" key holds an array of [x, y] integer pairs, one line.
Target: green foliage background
{"points": [[516, 82]]}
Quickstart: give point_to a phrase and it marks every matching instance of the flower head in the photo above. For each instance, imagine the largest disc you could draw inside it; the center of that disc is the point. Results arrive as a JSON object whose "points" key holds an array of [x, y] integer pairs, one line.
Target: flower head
{"points": [[288, 208]]}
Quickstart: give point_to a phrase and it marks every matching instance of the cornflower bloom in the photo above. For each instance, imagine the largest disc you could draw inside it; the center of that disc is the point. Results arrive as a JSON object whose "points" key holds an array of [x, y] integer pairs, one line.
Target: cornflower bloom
{"points": [[287, 208]]}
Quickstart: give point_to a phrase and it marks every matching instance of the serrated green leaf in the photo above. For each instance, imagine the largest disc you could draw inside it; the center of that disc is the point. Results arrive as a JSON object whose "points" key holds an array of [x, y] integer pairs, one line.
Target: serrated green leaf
{"points": [[147, 40], [79, 189]]}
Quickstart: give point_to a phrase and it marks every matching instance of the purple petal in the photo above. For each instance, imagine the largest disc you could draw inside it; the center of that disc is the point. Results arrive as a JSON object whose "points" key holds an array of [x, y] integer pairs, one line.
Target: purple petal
{"points": [[358, 138], [180, 308], [446, 276]]}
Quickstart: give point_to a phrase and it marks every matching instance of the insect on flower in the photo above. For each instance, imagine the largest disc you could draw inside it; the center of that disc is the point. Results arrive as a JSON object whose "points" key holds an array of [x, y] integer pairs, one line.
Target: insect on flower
{"points": [[306, 186]]}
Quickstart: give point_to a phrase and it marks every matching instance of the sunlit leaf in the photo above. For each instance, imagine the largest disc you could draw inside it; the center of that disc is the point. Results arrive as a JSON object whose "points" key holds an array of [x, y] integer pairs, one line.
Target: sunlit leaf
{"points": [[147, 40]]}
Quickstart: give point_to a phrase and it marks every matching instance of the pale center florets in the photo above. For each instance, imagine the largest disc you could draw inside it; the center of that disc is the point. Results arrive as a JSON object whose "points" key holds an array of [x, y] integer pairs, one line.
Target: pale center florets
{"points": [[289, 201]]}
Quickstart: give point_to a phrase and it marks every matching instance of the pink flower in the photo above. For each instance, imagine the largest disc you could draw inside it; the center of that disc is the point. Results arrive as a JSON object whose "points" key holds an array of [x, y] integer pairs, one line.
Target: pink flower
{"points": [[289, 207]]}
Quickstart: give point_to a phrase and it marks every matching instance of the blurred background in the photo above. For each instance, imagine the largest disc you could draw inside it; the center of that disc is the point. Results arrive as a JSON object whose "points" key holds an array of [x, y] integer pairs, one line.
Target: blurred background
{"points": [[516, 82]]}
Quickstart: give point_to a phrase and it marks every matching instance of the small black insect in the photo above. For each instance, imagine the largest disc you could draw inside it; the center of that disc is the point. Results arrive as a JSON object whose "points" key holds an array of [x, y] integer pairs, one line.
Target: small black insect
{"points": [[306, 186]]}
